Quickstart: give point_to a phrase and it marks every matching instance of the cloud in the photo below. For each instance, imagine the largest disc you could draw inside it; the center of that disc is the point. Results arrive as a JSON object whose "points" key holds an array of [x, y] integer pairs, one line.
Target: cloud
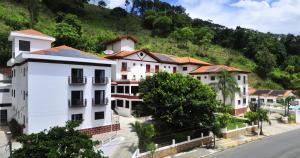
{"points": [[111, 3], [276, 16]]}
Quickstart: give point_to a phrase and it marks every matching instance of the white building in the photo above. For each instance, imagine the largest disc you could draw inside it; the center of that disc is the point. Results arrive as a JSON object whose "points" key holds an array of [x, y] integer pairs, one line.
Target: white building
{"points": [[269, 97], [5, 95], [53, 85], [134, 65]]}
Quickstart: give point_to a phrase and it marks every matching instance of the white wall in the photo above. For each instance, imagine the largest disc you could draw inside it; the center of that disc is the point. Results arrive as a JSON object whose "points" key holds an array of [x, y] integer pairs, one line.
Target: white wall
{"points": [[49, 92], [122, 45], [35, 44]]}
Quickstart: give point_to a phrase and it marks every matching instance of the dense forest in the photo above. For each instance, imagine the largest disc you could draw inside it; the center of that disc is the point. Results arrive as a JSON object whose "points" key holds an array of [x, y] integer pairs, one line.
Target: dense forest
{"points": [[160, 27]]}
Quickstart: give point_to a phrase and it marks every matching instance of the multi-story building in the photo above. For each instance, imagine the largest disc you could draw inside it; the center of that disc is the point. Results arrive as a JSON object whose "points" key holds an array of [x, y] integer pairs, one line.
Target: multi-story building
{"points": [[5, 97], [134, 65], [53, 85], [269, 97]]}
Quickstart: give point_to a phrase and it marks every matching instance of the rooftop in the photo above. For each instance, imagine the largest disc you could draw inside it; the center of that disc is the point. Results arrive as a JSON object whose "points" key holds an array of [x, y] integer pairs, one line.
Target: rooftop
{"points": [[65, 51], [32, 34], [216, 69], [272, 93]]}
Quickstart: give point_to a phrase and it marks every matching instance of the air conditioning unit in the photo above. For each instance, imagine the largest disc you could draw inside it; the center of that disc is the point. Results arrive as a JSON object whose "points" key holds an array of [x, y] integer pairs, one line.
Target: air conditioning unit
{"points": [[108, 52]]}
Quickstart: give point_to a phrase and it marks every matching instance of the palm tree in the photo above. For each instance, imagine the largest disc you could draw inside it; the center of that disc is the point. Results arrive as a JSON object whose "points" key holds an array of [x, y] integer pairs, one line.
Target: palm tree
{"points": [[262, 117], [227, 85], [286, 102]]}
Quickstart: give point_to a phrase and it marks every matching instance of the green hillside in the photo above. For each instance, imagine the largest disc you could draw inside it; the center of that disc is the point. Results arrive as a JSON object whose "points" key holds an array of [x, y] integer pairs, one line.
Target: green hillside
{"points": [[98, 24]]}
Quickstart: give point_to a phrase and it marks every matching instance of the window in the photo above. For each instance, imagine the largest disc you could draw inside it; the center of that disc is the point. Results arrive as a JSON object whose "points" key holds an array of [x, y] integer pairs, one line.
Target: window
{"points": [[184, 69], [14, 93], [239, 77], [244, 91], [99, 115], [24, 72], [199, 78], [120, 103], [77, 98], [174, 69], [77, 75], [14, 73], [239, 102], [24, 95], [76, 117], [141, 64], [99, 97], [124, 66], [126, 89], [134, 90], [133, 64], [244, 78], [205, 77], [148, 67], [212, 78], [99, 76], [124, 77], [270, 100], [127, 104], [141, 54], [253, 99], [4, 90], [113, 90], [156, 68], [24, 45], [120, 89], [244, 100], [165, 66]]}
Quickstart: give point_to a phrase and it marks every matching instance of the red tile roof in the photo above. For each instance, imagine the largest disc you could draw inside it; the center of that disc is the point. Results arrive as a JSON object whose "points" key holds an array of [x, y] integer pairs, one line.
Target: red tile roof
{"points": [[120, 38], [269, 92], [122, 54], [216, 69], [32, 32], [64, 47], [189, 60]]}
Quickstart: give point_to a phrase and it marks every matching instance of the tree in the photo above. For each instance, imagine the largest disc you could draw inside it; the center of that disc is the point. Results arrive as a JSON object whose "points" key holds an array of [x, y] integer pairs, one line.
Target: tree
{"points": [[177, 101], [61, 142], [66, 6], [262, 115], [286, 102], [33, 9], [66, 34], [162, 25], [145, 133], [183, 35], [227, 85], [102, 4], [203, 36], [265, 61], [118, 12]]}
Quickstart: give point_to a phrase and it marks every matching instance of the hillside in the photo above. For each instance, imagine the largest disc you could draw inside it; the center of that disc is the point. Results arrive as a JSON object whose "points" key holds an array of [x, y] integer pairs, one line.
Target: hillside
{"points": [[98, 25]]}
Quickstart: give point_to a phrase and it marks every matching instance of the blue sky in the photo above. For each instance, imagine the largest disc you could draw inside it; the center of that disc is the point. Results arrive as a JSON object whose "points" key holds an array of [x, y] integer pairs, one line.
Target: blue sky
{"points": [[276, 16]]}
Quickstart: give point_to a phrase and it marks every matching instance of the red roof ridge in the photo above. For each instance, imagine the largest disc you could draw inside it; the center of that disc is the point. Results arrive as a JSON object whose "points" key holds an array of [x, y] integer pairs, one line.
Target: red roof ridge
{"points": [[32, 32]]}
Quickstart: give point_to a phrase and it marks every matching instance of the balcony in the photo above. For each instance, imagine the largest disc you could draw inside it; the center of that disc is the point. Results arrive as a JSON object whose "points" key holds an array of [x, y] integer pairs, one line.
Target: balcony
{"points": [[100, 80], [77, 80], [77, 103], [100, 102]]}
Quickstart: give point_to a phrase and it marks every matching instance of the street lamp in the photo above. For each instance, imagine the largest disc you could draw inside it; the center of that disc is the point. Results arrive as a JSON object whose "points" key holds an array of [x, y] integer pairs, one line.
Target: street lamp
{"points": [[9, 136]]}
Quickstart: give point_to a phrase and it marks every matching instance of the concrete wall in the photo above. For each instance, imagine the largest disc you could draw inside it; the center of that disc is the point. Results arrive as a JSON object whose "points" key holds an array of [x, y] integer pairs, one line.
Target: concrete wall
{"points": [[177, 148], [239, 132]]}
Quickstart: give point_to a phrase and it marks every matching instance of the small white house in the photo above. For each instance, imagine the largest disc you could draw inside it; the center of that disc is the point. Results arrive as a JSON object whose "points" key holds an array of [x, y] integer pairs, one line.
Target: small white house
{"points": [[53, 85]]}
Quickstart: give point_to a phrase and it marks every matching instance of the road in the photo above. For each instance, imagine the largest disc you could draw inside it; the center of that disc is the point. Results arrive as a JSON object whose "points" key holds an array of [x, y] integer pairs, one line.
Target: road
{"points": [[286, 145]]}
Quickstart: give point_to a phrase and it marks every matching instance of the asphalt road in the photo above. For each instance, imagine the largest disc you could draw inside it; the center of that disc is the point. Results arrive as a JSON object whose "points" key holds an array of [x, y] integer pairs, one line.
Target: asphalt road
{"points": [[286, 145]]}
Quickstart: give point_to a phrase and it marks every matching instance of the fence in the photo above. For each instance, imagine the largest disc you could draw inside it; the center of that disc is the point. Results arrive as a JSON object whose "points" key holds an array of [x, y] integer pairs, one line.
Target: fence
{"points": [[175, 148], [237, 132]]}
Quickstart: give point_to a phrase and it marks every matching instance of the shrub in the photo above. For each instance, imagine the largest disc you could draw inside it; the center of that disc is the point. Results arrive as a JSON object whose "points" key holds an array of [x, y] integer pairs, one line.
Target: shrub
{"points": [[15, 128], [292, 118]]}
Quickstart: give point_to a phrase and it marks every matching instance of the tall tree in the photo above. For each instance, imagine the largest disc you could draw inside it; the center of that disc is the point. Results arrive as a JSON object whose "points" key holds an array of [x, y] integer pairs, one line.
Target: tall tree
{"points": [[33, 7], [183, 35], [262, 115], [227, 85], [177, 101]]}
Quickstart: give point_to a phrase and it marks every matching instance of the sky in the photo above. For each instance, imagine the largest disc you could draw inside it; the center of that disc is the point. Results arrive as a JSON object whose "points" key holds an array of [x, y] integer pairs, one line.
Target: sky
{"points": [[276, 16]]}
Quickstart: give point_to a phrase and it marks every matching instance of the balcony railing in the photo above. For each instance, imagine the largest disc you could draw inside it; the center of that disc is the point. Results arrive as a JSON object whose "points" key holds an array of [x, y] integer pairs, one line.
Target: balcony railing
{"points": [[101, 102], [77, 80], [100, 80], [77, 103]]}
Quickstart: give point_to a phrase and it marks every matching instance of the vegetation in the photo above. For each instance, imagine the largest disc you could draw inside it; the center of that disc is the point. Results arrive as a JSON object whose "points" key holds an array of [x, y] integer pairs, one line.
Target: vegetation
{"points": [[178, 101], [58, 142], [15, 128], [286, 102], [159, 27], [145, 133], [227, 85], [228, 121]]}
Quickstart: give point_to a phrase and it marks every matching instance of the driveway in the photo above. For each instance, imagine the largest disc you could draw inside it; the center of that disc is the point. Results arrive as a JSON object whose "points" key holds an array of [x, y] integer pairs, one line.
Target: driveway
{"points": [[285, 145]]}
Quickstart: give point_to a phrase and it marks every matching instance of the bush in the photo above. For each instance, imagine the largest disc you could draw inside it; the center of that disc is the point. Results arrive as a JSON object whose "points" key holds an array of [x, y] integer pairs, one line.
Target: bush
{"points": [[292, 118], [15, 128]]}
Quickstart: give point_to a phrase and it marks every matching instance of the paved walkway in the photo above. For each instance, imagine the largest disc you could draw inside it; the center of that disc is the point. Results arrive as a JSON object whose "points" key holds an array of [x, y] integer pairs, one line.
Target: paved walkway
{"points": [[128, 145], [4, 150]]}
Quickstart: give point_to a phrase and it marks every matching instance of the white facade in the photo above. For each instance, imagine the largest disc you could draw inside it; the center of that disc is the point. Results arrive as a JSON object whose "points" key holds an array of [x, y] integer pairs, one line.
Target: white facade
{"points": [[268, 98], [5, 97], [125, 44], [42, 88]]}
